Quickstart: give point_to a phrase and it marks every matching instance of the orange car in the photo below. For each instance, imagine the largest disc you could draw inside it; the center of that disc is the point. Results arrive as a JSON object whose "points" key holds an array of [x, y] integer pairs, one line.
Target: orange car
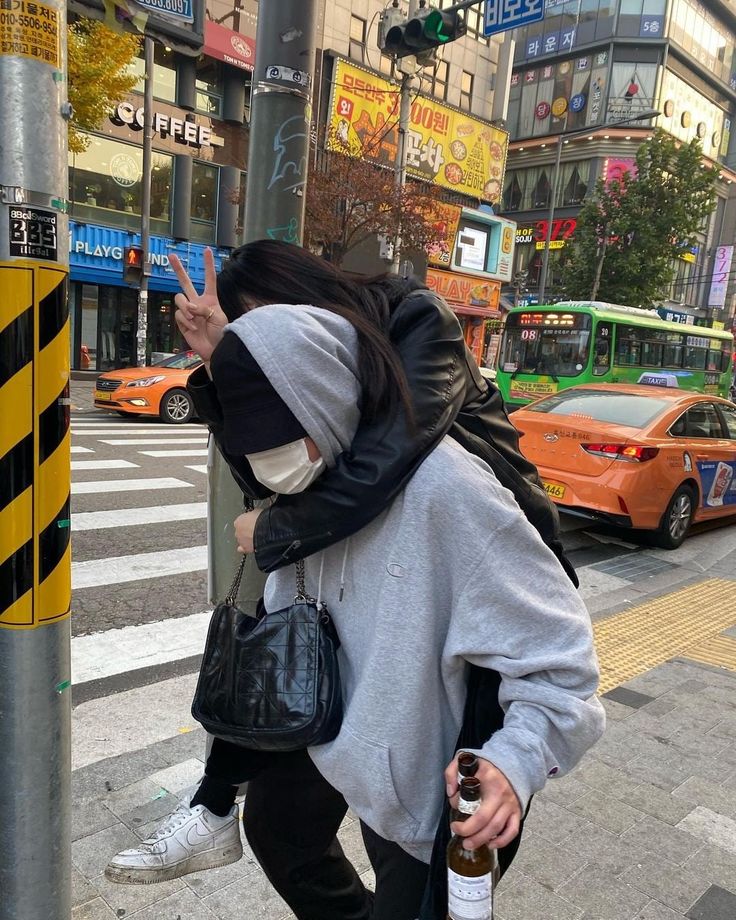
{"points": [[159, 389], [636, 456]]}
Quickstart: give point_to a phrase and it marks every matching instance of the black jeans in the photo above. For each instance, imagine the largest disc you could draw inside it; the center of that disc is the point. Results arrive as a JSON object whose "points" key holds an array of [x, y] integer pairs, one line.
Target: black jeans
{"points": [[291, 818]]}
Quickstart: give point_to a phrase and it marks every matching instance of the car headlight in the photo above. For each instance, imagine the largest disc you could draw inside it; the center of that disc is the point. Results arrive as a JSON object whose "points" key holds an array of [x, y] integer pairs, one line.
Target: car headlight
{"points": [[146, 381]]}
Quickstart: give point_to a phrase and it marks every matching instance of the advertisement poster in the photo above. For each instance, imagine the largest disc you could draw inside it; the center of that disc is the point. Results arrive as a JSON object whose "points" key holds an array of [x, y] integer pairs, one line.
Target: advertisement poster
{"points": [[445, 146], [446, 218], [718, 482], [721, 273]]}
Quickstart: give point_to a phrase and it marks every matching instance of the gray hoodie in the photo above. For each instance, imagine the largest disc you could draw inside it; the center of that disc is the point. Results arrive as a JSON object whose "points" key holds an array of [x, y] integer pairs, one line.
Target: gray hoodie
{"points": [[452, 572]]}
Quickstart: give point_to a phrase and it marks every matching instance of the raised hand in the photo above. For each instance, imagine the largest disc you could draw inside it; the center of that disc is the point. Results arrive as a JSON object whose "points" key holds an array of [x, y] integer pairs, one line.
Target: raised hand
{"points": [[199, 316]]}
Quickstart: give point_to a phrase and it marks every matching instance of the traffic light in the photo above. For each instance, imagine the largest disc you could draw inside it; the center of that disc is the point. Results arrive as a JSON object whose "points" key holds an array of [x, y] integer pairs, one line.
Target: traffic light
{"points": [[428, 30], [133, 264]]}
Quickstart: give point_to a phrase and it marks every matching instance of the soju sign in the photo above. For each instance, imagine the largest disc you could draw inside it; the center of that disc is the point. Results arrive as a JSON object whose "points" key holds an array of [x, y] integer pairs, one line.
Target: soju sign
{"points": [[180, 10]]}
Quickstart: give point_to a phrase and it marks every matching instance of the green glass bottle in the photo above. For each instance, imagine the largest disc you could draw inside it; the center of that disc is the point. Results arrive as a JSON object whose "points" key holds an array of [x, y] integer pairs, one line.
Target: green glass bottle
{"points": [[471, 874]]}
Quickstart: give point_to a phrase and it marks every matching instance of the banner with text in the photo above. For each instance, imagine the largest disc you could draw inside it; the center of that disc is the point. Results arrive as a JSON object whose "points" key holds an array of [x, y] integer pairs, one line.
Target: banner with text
{"points": [[445, 146]]}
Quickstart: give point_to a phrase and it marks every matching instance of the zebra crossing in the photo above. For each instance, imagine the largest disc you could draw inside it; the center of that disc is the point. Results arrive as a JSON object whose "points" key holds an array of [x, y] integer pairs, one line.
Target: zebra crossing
{"points": [[139, 512]]}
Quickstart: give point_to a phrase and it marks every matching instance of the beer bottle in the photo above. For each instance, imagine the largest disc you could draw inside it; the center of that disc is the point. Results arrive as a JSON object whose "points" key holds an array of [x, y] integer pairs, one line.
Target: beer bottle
{"points": [[471, 874]]}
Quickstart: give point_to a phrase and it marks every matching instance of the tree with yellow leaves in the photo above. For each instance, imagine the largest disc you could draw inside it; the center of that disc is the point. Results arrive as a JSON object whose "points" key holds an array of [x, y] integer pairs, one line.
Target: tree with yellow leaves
{"points": [[100, 75]]}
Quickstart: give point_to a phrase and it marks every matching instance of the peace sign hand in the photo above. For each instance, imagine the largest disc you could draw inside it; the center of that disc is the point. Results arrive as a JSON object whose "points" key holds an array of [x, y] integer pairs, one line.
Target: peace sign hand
{"points": [[199, 316]]}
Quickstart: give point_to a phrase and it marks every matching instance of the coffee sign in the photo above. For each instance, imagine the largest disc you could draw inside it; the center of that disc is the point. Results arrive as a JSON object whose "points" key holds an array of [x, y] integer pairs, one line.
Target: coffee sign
{"points": [[181, 130]]}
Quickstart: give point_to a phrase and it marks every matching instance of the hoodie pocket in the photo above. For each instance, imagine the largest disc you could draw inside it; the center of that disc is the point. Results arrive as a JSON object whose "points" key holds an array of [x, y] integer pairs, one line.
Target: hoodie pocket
{"points": [[361, 770]]}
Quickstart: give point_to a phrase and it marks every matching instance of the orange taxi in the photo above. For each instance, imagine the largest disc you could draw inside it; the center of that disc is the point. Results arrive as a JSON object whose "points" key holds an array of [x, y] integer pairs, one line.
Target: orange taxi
{"points": [[158, 389], [646, 457]]}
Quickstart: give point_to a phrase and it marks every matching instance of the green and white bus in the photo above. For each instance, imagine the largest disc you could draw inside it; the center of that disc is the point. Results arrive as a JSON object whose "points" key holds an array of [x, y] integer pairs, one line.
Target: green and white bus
{"points": [[545, 349]]}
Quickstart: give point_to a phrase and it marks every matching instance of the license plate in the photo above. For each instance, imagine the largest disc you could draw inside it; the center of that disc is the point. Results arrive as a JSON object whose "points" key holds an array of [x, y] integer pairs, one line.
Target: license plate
{"points": [[102, 396], [556, 491]]}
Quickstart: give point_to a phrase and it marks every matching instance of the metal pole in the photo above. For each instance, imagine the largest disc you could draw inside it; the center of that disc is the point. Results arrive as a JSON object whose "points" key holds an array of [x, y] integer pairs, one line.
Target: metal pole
{"points": [[400, 170], [400, 167], [35, 566], [278, 160], [142, 334], [550, 218]]}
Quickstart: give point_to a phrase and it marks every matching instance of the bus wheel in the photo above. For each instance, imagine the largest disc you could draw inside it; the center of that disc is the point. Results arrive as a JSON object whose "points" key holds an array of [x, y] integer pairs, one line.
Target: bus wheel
{"points": [[676, 520]]}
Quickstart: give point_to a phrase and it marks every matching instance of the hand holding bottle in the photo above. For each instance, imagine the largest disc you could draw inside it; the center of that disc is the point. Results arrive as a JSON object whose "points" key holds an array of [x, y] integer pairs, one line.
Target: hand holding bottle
{"points": [[497, 820]]}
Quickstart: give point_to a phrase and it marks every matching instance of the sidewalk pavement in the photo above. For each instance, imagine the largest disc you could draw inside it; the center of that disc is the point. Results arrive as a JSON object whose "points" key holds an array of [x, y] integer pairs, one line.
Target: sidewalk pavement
{"points": [[644, 828]]}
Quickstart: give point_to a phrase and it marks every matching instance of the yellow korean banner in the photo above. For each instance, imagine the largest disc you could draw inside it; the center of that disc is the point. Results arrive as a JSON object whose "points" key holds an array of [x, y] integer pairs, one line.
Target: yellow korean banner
{"points": [[444, 145]]}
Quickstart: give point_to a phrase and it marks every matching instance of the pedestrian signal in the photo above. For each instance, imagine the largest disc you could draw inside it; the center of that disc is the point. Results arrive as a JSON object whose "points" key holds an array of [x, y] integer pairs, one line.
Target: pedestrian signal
{"points": [[133, 264]]}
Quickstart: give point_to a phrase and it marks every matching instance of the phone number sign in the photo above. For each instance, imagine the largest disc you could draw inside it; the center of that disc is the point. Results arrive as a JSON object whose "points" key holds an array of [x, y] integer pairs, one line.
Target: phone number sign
{"points": [[176, 9], [33, 233], [30, 29]]}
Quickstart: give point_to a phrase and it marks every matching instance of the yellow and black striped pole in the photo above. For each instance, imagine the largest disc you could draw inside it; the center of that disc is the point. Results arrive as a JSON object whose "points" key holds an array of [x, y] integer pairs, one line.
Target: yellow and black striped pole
{"points": [[35, 551]]}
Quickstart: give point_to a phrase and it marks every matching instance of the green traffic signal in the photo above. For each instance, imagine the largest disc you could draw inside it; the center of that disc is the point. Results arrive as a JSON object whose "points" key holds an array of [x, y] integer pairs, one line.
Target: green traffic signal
{"points": [[428, 29]]}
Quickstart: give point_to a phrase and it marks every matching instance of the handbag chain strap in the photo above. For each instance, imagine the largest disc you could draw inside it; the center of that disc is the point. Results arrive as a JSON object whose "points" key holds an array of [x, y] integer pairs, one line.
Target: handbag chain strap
{"points": [[231, 597], [301, 585]]}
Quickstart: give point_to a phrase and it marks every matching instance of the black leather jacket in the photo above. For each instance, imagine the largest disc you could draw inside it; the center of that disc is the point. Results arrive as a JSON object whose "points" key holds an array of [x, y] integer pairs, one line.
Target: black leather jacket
{"points": [[450, 397]]}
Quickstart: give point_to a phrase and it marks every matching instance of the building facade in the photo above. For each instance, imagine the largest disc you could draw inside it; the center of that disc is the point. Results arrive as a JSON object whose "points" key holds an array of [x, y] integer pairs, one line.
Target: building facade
{"points": [[200, 147], [593, 62]]}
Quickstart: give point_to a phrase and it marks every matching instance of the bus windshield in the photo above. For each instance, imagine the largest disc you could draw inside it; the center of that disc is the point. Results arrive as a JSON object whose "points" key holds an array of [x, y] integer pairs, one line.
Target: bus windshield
{"points": [[555, 350]]}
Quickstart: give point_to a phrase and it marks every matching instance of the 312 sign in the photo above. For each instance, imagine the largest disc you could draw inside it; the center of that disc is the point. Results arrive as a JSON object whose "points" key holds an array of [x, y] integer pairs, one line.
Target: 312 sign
{"points": [[33, 233]]}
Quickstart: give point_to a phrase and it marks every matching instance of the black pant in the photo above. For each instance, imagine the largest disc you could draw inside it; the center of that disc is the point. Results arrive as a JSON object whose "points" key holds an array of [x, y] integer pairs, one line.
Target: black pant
{"points": [[291, 819]]}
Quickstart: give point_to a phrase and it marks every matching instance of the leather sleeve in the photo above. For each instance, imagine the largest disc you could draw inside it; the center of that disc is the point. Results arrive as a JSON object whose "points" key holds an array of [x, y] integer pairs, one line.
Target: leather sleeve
{"points": [[385, 453], [208, 409]]}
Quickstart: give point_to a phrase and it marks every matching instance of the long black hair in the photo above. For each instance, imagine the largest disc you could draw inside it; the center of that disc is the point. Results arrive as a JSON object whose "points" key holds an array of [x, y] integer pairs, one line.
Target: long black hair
{"points": [[270, 271]]}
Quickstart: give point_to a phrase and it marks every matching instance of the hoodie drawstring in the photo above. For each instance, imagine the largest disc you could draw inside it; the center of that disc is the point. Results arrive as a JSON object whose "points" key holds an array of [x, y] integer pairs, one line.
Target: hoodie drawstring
{"points": [[342, 571], [319, 581]]}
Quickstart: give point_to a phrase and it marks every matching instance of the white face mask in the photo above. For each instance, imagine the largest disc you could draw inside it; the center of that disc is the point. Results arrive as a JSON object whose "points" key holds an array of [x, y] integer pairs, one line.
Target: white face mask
{"points": [[286, 469]]}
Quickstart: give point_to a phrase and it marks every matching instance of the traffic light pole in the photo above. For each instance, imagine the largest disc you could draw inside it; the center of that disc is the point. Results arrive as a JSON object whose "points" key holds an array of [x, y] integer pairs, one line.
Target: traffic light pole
{"points": [[278, 158], [35, 561], [142, 334]]}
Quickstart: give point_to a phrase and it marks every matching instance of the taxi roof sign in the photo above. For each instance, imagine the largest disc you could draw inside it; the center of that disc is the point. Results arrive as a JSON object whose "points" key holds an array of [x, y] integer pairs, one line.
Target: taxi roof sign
{"points": [[650, 378]]}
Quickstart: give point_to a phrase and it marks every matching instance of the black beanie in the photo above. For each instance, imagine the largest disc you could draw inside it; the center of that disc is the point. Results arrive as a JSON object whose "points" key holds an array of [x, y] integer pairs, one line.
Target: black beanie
{"points": [[255, 417]]}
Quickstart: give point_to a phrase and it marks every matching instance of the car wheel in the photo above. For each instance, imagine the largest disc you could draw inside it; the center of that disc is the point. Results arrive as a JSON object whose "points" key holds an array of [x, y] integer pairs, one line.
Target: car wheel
{"points": [[125, 414], [676, 520], [176, 407]]}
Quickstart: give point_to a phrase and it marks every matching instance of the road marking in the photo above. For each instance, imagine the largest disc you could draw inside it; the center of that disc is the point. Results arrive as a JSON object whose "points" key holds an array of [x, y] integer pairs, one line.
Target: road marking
{"points": [[116, 651], [82, 450], [128, 485], [130, 517], [136, 432], [199, 469], [138, 566], [141, 442], [81, 465], [174, 453]]}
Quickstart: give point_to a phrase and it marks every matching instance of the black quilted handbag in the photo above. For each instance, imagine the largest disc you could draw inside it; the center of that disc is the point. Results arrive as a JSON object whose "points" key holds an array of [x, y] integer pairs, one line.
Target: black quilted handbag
{"points": [[270, 683]]}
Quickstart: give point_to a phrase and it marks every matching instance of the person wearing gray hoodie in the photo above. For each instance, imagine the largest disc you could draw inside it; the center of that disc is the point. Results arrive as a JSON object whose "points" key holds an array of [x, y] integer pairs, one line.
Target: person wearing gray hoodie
{"points": [[450, 574]]}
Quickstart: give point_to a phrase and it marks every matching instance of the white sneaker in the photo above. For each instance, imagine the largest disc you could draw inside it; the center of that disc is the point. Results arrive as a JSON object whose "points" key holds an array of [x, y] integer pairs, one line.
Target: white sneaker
{"points": [[189, 840]]}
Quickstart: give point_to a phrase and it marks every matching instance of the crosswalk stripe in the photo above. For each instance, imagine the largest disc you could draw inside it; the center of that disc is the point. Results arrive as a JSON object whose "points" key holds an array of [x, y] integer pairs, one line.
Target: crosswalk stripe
{"points": [[174, 453], [128, 485], [141, 442], [107, 433], [119, 569], [116, 651], [198, 469], [81, 465], [130, 517], [82, 450]]}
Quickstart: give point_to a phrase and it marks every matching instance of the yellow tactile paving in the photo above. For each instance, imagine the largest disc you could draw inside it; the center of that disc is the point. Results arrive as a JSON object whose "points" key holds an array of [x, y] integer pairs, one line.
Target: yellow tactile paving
{"points": [[719, 651], [651, 633]]}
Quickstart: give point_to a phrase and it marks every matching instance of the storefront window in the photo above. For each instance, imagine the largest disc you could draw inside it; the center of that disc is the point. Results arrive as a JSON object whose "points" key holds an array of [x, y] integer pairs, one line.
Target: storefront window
{"points": [[87, 357], [105, 185], [205, 180], [209, 87], [164, 73]]}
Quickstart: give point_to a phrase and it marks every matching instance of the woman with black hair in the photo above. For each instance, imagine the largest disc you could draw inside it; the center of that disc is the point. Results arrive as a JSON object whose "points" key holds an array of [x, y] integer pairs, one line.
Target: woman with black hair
{"points": [[417, 384]]}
